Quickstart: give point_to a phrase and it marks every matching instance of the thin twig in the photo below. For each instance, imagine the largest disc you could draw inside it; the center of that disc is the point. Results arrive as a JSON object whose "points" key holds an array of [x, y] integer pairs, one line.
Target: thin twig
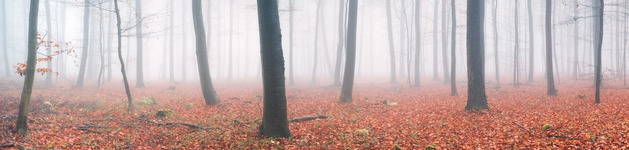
{"points": [[525, 129]]}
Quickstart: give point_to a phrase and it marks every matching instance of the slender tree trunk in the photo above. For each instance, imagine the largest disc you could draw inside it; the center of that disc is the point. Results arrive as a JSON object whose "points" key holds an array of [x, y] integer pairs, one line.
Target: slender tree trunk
{"points": [[86, 35], [444, 43], [122, 69], [348, 77], [477, 99], [402, 39], [291, 18], [7, 68], [624, 51], [48, 38], [454, 92], [316, 44], [100, 47], [31, 62], [339, 47], [549, 51], [231, 32], [209, 94], [531, 43], [184, 45], [493, 12], [575, 64], [171, 57], [139, 56], [274, 118], [417, 42], [435, 69], [598, 19], [391, 45], [109, 38], [516, 60]]}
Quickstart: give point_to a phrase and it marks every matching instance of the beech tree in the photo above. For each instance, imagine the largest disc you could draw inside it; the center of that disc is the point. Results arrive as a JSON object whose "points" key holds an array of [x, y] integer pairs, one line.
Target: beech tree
{"points": [[417, 42], [86, 35], [599, 6], [350, 60], [391, 45], [549, 51], [122, 65], [31, 62], [476, 99], [209, 94], [453, 90]]}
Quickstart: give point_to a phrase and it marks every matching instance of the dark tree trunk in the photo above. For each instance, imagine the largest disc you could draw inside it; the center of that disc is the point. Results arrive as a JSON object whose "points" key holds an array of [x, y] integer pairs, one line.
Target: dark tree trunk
{"points": [[531, 43], [339, 47], [454, 92], [391, 45], [31, 62], [348, 77], [316, 43], [122, 69], [477, 99], [274, 118], [493, 12], [48, 38], [138, 29], [549, 51], [598, 30], [209, 94], [291, 18], [86, 35], [417, 42]]}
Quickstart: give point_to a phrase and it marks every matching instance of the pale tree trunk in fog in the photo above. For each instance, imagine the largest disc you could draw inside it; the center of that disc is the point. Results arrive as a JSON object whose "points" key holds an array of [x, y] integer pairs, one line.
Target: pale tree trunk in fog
{"points": [[100, 46], [476, 99], [493, 13], [516, 55], [599, 6], [549, 51], [274, 118], [402, 39], [435, 70], [575, 64], [138, 30], [122, 69], [316, 43], [7, 68], [417, 42], [22, 117], [348, 77], [291, 17], [624, 51], [184, 40], [531, 43], [48, 38], [231, 32], [86, 35], [109, 38], [454, 92], [171, 57], [391, 46], [444, 43], [61, 60], [339, 47], [209, 94]]}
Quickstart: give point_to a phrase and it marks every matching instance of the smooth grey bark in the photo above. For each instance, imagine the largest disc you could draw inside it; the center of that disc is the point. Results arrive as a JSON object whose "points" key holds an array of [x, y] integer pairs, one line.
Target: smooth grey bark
{"points": [[549, 51], [391, 44], [171, 57], [209, 94], [49, 39], [453, 90], [624, 51], [274, 118], [109, 38], [122, 69], [494, 26], [599, 6], [7, 68], [139, 56], [435, 65], [402, 40], [444, 43], [231, 36], [575, 63], [31, 62], [531, 43], [417, 42], [476, 99], [339, 47], [348, 77], [100, 47], [86, 35], [291, 18], [316, 43], [184, 38], [516, 55]]}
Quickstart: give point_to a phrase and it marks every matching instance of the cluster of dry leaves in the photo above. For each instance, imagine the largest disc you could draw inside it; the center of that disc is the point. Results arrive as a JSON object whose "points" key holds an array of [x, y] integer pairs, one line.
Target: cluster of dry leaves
{"points": [[68, 118]]}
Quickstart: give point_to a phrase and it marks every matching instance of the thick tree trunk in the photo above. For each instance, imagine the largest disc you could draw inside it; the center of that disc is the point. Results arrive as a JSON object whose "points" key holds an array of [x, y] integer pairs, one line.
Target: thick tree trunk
{"points": [[316, 44], [391, 44], [598, 30], [86, 35], [139, 56], [453, 90], [274, 118], [339, 47], [531, 43], [417, 42], [291, 18], [549, 51], [31, 62], [209, 94], [348, 77], [477, 99], [122, 67]]}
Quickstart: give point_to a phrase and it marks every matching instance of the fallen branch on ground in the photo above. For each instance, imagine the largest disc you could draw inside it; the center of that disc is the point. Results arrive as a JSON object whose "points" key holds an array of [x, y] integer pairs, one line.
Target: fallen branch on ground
{"points": [[178, 123], [525, 129], [87, 126], [308, 118]]}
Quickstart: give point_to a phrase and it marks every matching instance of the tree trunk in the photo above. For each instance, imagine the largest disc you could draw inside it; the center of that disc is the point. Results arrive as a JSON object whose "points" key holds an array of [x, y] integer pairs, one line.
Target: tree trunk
{"points": [[122, 69], [183, 44], [138, 31], [598, 19], [274, 118], [549, 51], [209, 94], [454, 92], [291, 18], [493, 13], [531, 43], [171, 58], [109, 38], [316, 43], [402, 40], [444, 43], [476, 100], [575, 63], [86, 35], [391, 44], [7, 68], [231, 32], [417, 42], [339, 47], [348, 77], [516, 60], [435, 69], [100, 46], [31, 62], [48, 38]]}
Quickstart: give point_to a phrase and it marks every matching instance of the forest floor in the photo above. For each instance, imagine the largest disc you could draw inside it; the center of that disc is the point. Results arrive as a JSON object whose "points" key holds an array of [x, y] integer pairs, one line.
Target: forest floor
{"points": [[90, 118]]}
